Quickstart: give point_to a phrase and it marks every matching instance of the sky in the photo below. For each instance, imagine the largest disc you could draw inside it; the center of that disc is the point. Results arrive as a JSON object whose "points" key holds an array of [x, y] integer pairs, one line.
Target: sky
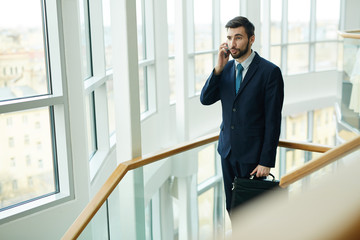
{"points": [[20, 13]]}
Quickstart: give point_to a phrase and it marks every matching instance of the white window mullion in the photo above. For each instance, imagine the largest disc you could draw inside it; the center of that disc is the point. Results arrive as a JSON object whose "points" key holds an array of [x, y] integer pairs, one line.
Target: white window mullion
{"points": [[189, 37], [312, 36], [29, 103], [284, 36]]}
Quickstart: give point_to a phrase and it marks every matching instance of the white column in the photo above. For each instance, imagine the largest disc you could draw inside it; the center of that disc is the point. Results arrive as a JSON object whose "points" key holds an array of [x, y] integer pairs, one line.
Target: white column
{"points": [[166, 212], [127, 115], [162, 67], [181, 70]]}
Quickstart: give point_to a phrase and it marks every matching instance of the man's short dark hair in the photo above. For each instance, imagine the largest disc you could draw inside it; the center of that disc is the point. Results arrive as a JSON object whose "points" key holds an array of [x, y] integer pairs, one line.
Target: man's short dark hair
{"points": [[241, 22]]}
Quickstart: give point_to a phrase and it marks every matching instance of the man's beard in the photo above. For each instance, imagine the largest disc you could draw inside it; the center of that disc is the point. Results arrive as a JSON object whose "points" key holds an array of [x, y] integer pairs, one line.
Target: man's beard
{"points": [[241, 52]]}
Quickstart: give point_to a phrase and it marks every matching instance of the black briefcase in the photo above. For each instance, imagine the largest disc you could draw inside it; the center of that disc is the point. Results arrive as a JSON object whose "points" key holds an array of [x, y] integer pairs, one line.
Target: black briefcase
{"points": [[245, 189]]}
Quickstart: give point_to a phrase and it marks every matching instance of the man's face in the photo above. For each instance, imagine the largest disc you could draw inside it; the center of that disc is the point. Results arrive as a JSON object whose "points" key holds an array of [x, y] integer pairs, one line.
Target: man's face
{"points": [[238, 41]]}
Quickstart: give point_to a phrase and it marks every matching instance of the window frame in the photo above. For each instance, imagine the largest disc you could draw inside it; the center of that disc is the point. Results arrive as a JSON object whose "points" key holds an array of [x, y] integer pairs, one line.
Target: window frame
{"points": [[285, 44], [147, 64], [57, 104]]}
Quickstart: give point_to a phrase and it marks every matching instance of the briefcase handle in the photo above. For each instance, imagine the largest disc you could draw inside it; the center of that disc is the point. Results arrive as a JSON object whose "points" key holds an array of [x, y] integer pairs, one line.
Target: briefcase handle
{"points": [[273, 177]]}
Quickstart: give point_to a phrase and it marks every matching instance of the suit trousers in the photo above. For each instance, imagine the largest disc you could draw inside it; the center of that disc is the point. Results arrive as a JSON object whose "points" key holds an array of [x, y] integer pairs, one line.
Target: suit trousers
{"points": [[231, 167]]}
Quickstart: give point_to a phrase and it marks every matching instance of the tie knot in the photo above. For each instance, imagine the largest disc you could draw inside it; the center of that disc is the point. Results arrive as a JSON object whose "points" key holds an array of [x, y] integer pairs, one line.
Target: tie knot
{"points": [[240, 67]]}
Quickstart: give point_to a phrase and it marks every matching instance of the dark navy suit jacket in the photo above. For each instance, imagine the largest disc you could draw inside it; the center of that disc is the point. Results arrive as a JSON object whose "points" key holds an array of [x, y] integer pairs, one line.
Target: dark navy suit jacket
{"points": [[251, 119]]}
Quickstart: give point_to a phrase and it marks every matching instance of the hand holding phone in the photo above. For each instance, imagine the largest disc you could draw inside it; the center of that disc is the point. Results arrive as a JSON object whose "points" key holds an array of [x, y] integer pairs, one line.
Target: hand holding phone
{"points": [[227, 51]]}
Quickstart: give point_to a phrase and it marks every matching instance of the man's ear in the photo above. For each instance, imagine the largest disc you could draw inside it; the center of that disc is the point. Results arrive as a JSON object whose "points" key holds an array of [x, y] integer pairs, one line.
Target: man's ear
{"points": [[252, 39]]}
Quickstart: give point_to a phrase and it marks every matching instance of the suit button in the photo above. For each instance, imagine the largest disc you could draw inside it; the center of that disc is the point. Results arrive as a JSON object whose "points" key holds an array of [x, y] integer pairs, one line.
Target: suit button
{"points": [[232, 127], [234, 109]]}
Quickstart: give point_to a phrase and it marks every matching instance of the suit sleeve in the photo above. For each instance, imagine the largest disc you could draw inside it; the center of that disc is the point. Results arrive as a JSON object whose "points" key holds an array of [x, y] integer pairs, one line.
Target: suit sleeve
{"points": [[210, 92], [274, 97]]}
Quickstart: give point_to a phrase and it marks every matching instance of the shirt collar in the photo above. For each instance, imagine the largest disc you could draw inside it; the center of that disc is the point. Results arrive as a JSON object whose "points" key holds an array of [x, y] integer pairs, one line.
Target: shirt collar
{"points": [[247, 61]]}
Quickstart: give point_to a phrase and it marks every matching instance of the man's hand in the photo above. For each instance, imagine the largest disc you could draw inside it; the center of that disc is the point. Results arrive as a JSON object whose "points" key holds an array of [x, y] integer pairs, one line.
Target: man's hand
{"points": [[261, 171], [222, 60]]}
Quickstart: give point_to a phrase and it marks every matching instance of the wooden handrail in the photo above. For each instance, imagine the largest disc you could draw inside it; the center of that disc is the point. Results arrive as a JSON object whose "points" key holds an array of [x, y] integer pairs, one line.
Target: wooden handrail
{"points": [[354, 34], [98, 200], [314, 165], [310, 147]]}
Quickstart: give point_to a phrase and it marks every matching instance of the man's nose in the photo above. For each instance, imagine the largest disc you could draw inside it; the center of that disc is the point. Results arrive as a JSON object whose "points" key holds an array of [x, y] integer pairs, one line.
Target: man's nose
{"points": [[231, 44]]}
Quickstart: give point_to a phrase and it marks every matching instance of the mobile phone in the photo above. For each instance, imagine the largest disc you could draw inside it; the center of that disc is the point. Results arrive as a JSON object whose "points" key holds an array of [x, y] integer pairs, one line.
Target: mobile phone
{"points": [[227, 51]]}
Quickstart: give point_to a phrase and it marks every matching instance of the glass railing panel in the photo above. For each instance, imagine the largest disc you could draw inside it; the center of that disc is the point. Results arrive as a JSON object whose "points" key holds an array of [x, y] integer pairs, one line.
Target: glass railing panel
{"points": [[315, 178], [186, 191], [287, 160], [182, 197], [350, 100], [98, 227]]}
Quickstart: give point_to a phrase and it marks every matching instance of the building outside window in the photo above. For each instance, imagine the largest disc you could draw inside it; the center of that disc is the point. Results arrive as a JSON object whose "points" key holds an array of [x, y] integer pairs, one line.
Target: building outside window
{"points": [[24, 51]]}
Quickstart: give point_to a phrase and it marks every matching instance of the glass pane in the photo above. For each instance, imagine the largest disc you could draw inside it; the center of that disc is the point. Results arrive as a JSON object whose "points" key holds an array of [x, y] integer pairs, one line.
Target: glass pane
{"points": [[171, 26], [90, 123], [27, 158], [340, 62], [107, 33], [327, 21], [206, 215], [172, 80], [275, 55], [111, 105], [203, 25], [298, 21], [143, 89], [203, 68], [296, 127], [98, 227], [85, 38], [181, 192], [326, 56], [206, 163], [226, 14], [294, 159], [276, 16], [324, 130], [22, 56], [140, 30], [350, 107], [298, 59]]}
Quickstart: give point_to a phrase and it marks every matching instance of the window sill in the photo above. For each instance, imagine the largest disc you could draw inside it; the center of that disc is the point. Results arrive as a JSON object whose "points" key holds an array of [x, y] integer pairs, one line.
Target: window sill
{"points": [[33, 207]]}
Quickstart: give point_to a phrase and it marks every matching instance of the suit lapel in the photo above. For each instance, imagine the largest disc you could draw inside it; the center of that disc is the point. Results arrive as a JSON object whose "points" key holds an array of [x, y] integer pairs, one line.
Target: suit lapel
{"points": [[250, 73], [231, 79]]}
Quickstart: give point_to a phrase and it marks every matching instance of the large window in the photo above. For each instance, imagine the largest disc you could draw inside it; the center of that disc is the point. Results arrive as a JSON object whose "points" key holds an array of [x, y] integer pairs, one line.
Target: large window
{"points": [[28, 106], [96, 37], [303, 36]]}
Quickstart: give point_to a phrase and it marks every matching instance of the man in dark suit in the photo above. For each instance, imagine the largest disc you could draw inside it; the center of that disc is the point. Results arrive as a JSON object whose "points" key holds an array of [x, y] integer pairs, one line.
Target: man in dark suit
{"points": [[251, 91]]}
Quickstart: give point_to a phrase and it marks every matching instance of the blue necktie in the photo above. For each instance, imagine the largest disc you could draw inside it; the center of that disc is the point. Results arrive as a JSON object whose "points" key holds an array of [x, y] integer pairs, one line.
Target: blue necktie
{"points": [[238, 77]]}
